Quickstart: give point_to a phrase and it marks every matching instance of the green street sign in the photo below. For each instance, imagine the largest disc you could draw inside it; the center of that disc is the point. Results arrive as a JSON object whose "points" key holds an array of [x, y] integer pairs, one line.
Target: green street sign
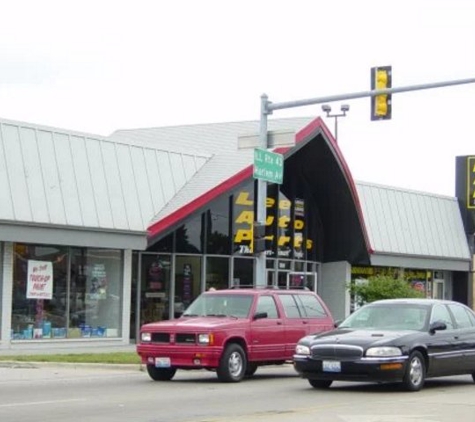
{"points": [[268, 166]]}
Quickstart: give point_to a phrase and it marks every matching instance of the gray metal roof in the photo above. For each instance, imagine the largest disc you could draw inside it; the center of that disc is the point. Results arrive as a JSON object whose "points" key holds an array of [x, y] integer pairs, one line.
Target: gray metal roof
{"points": [[57, 177], [218, 139], [402, 223], [124, 183]]}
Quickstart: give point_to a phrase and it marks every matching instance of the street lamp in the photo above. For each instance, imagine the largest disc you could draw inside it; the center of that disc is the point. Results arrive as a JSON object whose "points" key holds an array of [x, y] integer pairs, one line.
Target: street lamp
{"points": [[344, 109]]}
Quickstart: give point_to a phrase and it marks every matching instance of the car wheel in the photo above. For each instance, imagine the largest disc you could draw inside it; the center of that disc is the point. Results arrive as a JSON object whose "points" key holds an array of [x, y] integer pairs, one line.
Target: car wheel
{"points": [[320, 384], [251, 369], [414, 377], [161, 374], [232, 364]]}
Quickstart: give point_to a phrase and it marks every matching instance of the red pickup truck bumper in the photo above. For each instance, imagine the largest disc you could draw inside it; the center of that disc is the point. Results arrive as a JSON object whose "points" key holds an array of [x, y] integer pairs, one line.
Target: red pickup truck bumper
{"points": [[184, 357]]}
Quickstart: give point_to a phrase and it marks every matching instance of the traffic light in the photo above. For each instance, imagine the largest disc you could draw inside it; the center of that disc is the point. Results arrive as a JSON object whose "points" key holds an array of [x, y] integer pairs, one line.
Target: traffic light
{"points": [[258, 238], [381, 78]]}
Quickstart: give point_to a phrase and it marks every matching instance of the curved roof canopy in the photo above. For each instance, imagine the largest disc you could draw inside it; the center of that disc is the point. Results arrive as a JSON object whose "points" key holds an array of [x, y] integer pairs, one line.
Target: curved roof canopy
{"points": [[315, 160]]}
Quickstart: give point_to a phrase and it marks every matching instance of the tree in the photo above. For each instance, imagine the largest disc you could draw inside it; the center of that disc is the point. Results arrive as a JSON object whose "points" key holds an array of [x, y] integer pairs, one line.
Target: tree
{"points": [[382, 287]]}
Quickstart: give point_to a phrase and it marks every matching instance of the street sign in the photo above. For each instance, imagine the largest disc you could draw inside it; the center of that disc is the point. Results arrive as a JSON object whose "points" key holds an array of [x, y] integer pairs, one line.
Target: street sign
{"points": [[268, 166], [275, 139]]}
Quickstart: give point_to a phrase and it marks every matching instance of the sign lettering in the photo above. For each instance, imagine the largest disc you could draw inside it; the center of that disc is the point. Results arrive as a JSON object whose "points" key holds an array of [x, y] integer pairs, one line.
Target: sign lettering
{"points": [[39, 280]]}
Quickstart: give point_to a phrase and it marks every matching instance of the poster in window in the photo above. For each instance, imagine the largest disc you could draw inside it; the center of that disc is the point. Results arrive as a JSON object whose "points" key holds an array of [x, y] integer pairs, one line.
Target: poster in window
{"points": [[39, 280]]}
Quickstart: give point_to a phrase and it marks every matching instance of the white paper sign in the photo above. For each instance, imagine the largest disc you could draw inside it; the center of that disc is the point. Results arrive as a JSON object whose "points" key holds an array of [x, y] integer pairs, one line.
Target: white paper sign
{"points": [[40, 280]]}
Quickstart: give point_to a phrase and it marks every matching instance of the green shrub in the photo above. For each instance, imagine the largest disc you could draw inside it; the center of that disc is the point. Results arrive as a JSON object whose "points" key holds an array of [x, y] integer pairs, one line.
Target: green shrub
{"points": [[382, 287]]}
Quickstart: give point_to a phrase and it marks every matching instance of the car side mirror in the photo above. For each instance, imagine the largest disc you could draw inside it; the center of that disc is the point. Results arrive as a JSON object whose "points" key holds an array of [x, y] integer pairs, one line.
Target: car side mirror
{"points": [[260, 315], [437, 326]]}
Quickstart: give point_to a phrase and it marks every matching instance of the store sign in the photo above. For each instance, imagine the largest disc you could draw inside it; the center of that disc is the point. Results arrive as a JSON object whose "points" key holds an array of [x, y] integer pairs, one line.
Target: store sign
{"points": [[39, 280], [244, 222]]}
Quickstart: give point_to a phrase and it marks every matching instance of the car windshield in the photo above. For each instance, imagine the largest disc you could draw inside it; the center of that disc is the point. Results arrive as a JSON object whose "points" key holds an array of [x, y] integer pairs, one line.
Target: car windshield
{"points": [[220, 305], [389, 317]]}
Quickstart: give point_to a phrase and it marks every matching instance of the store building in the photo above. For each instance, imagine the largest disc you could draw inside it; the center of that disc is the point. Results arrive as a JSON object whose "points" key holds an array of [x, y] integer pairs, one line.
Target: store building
{"points": [[98, 236]]}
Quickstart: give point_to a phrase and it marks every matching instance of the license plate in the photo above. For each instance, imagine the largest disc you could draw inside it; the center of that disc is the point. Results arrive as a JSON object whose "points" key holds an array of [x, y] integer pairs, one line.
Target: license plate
{"points": [[331, 366], [162, 362]]}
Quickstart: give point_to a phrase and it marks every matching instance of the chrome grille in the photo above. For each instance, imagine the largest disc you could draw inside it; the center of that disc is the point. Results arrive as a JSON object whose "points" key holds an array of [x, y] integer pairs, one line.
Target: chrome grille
{"points": [[185, 338], [160, 337], [336, 351]]}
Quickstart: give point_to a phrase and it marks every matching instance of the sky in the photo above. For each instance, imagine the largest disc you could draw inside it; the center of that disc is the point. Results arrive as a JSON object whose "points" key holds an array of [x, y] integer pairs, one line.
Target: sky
{"points": [[100, 66]]}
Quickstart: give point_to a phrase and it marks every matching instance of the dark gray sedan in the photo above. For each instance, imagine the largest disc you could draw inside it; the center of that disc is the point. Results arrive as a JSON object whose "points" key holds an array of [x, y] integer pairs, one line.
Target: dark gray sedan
{"points": [[399, 340]]}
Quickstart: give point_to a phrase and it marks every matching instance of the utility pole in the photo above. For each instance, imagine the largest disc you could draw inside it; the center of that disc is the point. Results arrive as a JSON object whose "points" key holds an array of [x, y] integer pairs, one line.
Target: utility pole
{"points": [[267, 107]]}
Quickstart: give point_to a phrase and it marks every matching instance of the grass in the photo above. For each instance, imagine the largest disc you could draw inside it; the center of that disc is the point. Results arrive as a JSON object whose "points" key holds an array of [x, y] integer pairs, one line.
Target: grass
{"points": [[104, 358]]}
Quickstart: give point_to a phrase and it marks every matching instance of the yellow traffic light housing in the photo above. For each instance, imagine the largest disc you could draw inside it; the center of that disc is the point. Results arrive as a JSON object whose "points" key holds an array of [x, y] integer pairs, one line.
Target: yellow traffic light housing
{"points": [[381, 78]]}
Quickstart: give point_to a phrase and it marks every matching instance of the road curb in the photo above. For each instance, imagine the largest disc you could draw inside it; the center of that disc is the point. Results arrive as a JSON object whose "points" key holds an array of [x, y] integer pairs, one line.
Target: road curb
{"points": [[33, 365]]}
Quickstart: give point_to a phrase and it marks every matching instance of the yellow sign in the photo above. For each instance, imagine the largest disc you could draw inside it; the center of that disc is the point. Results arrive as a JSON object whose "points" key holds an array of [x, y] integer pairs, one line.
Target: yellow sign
{"points": [[245, 220]]}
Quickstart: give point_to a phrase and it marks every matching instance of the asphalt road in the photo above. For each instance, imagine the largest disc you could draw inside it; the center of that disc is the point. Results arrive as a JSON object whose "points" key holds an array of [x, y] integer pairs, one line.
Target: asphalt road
{"points": [[66, 394]]}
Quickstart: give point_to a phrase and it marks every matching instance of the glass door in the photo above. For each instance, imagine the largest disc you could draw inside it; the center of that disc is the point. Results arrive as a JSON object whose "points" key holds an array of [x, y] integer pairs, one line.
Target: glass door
{"points": [[438, 289]]}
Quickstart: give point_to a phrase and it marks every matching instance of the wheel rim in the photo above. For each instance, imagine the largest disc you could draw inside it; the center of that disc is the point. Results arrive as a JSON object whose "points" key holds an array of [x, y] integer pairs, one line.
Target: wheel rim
{"points": [[415, 371], [235, 364]]}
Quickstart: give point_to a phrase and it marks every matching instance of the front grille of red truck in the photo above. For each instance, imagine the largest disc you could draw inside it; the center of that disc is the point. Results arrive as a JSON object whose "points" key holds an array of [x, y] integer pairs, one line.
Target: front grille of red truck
{"points": [[160, 337], [178, 338]]}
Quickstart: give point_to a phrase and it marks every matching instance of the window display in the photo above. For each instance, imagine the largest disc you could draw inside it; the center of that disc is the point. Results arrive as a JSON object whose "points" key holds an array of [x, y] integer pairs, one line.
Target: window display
{"points": [[62, 292]]}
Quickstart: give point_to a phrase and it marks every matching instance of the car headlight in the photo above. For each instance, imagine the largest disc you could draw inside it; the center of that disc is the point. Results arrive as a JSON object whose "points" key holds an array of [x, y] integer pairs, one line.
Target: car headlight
{"points": [[146, 337], [301, 349], [383, 351], [206, 339]]}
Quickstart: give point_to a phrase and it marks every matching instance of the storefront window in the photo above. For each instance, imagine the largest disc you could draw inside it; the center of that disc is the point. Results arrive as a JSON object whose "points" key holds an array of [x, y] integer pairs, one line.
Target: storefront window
{"points": [[63, 294], [243, 272], [187, 282], [155, 288], [189, 237], [217, 273], [96, 293], [217, 228], [39, 300], [163, 245]]}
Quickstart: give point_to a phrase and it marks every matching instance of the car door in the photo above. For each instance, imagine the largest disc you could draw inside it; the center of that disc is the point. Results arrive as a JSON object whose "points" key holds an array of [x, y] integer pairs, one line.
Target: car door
{"points": [[267, 335], [295, 322], [465, 335], [443, 346], [316, 317]]}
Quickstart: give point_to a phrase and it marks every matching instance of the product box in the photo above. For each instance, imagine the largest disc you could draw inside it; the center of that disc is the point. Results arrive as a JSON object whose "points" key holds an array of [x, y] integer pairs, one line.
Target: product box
{"points": [[74, 333], [59, 332], [37, 333], [46, 329], [86, 331]]}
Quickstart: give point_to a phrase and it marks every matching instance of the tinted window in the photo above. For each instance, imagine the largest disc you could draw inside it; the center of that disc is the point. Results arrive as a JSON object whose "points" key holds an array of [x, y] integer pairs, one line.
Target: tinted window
{"points": [[267, 304], [313, 308], [462, 317], [441, 313], [290, 306]]}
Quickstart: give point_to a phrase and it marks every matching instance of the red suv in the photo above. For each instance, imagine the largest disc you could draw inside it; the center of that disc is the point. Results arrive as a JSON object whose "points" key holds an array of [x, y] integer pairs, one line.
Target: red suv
{"points": [[233, 332]]}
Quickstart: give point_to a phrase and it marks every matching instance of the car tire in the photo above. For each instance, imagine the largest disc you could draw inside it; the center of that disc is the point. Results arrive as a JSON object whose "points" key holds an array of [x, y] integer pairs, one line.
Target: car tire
{"points": [[473, 376], [320, 384], [251, 369], [161, 374], [415, 374], [232, 366]]}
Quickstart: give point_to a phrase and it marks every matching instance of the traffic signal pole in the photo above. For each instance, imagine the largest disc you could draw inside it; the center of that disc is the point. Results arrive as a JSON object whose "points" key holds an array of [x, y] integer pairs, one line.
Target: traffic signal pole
{"points": [[267, 107], [260, 276]]}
